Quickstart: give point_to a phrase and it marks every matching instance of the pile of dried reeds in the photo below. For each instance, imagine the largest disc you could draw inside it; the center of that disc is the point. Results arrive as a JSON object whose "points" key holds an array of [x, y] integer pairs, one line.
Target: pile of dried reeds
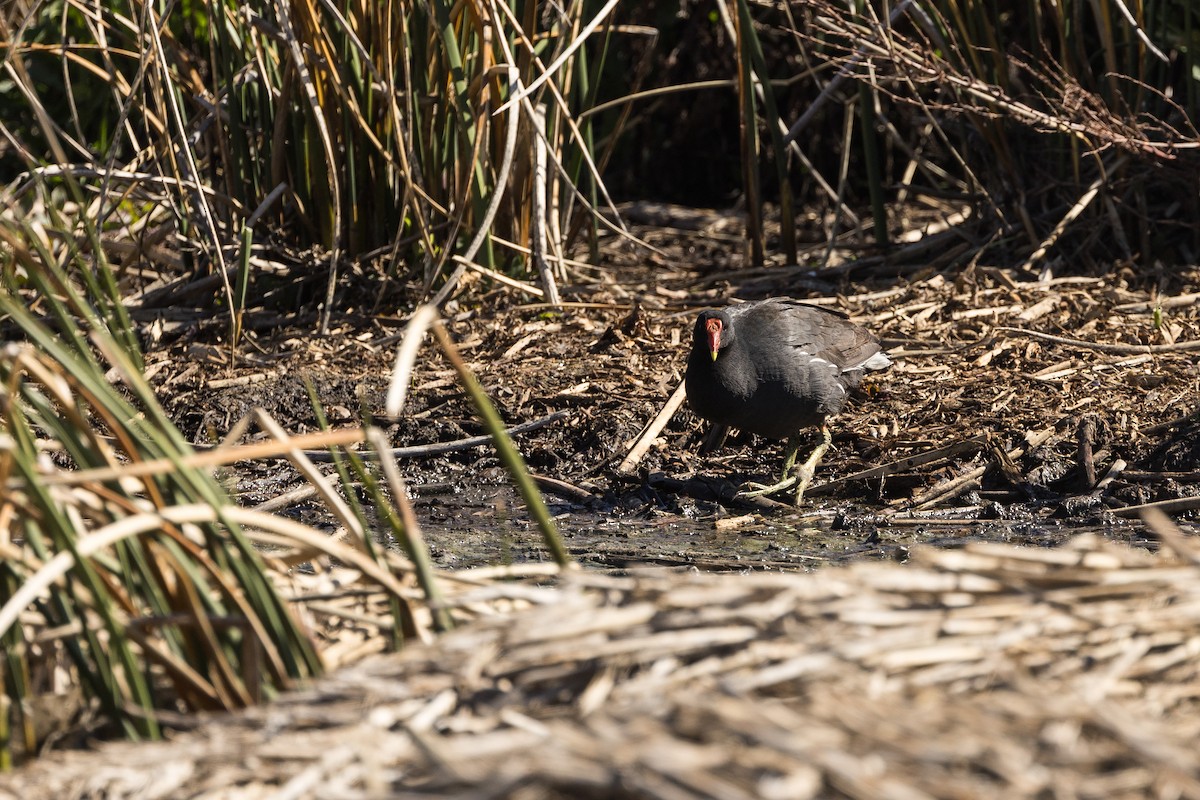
{"points": [[988, 671]]}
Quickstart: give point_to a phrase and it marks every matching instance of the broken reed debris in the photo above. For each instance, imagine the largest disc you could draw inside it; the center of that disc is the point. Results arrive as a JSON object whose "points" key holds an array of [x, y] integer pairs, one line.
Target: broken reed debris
{"points": [[988, 671]]}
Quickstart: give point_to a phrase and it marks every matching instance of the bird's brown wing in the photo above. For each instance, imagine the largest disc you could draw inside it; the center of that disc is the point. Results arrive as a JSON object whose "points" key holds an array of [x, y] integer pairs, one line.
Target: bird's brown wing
{"points": [[826, 334]]}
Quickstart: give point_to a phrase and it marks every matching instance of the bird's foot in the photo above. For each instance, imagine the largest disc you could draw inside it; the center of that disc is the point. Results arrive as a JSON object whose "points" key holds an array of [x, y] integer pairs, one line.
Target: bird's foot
{"points": [[806, 471], [760, 489], [803, 478]]}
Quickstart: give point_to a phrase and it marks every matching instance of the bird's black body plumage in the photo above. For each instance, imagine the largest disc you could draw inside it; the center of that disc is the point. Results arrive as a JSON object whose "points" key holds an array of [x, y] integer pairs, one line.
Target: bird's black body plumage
{"points": [[782, 366]]}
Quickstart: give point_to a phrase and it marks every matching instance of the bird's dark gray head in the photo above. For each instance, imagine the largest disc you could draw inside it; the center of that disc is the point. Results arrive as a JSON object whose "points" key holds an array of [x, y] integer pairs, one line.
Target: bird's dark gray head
{"points": [[713, 331]]}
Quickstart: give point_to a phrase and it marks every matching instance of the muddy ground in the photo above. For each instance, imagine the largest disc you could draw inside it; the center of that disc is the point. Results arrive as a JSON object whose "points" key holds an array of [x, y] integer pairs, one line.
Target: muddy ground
{"points": [[1005, 380]]}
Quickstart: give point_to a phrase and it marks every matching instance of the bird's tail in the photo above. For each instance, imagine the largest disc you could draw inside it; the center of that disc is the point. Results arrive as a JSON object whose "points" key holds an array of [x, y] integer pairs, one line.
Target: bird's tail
{"points": [[878, 361]]}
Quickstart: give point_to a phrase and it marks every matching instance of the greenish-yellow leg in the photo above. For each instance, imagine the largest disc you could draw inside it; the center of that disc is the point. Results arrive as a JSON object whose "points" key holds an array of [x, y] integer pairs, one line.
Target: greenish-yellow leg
{"points": [[809, 467], [804, 474]]}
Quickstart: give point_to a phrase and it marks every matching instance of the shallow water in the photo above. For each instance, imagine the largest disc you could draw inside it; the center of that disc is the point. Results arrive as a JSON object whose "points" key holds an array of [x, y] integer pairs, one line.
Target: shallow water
{"points": [[488, 525]]}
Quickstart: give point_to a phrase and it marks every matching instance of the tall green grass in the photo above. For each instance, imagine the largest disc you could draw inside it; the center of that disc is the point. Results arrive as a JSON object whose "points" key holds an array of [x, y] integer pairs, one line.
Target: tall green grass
{"points": [[366, 129], [159, 598], [370, 130]]}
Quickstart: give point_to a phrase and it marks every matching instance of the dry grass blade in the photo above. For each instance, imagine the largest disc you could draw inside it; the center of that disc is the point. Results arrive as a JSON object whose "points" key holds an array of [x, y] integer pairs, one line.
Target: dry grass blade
{"points": [[563, 57], [493, 206], [283, 15], [653, 429], [210, 458], [314, 477], [406, 358]]}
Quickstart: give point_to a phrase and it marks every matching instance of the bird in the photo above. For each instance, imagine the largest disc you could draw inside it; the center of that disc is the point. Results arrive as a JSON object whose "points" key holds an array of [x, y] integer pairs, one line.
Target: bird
{"points": [[774, 368]]}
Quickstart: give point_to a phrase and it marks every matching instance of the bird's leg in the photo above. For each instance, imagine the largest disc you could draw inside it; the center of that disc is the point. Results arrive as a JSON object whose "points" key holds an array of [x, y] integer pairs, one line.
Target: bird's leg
{"points": [[714, 439], [790, 461], [809, 467], [804, 474], [785, 482]]}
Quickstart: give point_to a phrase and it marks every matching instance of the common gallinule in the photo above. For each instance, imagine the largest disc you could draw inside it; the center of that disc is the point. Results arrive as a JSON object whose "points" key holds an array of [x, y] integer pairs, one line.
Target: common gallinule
{"points": [[775, 367]]}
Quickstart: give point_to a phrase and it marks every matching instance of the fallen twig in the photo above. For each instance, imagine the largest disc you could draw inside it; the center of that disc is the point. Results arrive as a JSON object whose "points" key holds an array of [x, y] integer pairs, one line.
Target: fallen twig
{"points": [[653, 429], [1072, 214], [1117, 468], [1104, 347], [424, 450], [918, 459], [1171, 423], [1165, 506], [1142, 476], [240, 380], [499, 277], [952, 487], [561, 488], [1087, 436], [917, 520], [288, 499], [1143, 306]]}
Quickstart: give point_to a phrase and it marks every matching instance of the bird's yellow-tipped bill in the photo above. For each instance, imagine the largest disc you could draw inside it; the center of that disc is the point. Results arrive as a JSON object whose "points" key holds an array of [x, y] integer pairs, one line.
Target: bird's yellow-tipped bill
{"points": [[713, 328]]}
